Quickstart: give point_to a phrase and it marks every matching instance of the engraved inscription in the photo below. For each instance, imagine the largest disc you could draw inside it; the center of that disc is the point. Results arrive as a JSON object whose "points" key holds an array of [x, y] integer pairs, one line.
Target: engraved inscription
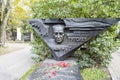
{"points": [[77, 35], [77, 39]]}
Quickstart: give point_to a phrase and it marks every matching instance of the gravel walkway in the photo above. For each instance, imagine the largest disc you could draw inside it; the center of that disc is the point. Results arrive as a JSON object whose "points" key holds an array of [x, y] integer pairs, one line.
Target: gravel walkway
{"points": [[114, 67], [15, 64]]}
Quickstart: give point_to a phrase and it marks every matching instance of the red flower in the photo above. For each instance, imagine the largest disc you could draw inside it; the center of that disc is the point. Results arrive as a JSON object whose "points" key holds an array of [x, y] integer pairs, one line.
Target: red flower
{"points": [[54, 73], [52, 64], [63, 64], [49, 76]]}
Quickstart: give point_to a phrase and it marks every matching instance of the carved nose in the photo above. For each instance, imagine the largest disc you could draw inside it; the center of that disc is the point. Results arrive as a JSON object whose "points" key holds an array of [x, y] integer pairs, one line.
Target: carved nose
{"points": [[58, 35]]}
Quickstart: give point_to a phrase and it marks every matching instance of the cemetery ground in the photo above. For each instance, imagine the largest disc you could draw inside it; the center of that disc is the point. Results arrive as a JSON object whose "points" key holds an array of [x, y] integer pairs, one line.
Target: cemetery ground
{"points": [[87, 74], [112, 72], [20, 58]]}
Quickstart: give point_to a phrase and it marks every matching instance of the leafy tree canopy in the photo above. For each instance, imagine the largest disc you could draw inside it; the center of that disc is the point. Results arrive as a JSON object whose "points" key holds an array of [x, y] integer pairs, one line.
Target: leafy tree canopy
{"points": [[20, 12], [76, 8]]}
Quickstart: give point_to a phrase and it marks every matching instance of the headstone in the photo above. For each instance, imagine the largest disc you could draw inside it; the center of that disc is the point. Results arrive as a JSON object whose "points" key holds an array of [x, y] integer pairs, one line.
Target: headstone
{"points": [[19, 34], [56, 70], [64, 36]]}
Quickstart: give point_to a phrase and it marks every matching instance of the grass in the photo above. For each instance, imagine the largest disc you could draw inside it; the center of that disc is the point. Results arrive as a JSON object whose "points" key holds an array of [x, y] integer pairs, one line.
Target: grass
{"points": [[29, 72], [94, 74]]}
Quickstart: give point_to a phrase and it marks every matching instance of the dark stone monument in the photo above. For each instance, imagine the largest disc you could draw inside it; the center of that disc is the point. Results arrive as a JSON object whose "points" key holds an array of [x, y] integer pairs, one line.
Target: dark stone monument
{"points": [[56, 70], [63, 37]]}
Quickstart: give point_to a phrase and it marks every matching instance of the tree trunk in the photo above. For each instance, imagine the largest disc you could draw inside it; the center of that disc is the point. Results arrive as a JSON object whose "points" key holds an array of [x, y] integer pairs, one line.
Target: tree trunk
{"points": [[4, 18], [3, 36], [0, 34], [0, 21]]}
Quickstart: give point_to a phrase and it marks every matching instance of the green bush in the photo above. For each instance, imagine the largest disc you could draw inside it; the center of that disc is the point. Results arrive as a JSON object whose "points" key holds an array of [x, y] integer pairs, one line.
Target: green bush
{"points": [[99, 49], [39, 48], [94, 74]]}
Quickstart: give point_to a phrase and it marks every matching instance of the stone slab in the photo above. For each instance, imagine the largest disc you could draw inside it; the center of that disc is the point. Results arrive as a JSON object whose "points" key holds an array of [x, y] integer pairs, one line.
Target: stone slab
{"points": [[56, 70]]}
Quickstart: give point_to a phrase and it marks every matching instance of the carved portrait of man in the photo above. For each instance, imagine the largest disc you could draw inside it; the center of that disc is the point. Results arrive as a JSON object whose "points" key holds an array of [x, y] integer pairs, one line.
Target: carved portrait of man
{"points": [[58, 33]]}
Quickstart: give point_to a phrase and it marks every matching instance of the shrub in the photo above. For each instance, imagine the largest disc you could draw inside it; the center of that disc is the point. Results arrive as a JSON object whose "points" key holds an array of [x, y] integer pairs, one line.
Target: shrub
{"points": [[39, 48], [99, 49], [94, 74]]}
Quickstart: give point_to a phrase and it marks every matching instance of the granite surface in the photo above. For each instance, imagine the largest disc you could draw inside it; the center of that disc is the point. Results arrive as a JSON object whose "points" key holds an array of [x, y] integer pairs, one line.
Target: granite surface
{"points": [[56, 70]]}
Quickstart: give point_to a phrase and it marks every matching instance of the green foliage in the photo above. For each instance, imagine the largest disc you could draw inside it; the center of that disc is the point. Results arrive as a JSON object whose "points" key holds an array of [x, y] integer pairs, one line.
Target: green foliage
{"points": [[94, 74], [19, 14], [76, 8], [99, 50], [85, 61], [39, 48]]}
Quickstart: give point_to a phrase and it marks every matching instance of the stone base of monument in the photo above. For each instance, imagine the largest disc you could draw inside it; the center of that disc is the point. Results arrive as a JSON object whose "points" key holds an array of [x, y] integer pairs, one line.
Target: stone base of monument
{"points": [[56, 70]]}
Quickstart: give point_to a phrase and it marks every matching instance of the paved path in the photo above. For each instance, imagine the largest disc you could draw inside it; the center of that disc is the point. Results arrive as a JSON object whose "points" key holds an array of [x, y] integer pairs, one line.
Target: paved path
{"points": [[114, 67], [15, 64]]}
